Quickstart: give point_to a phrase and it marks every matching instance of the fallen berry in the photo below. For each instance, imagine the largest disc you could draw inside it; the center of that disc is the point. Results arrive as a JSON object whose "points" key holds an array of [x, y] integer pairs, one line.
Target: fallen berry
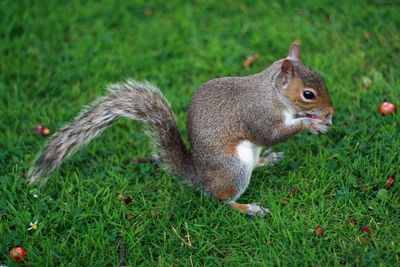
{"points": [[390, 181], [365, 229], [387, 108], [38, 129], [17, 254], [127, 200], [128, 216], [319, 230], [45, 131], [351, 220], [294, 192]]}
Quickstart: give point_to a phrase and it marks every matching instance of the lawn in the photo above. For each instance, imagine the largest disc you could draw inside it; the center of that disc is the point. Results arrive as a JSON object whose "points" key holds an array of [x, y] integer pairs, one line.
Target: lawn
{"points": [[57, 56]]}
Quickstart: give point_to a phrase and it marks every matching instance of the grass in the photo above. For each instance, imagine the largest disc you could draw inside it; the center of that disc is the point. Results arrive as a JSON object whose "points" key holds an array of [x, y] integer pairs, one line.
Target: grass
{"points": [[55, 57]]}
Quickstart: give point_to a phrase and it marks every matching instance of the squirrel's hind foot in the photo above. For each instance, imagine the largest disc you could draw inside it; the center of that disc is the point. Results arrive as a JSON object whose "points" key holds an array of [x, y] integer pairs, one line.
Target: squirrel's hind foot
{"points": [[251, 209]]}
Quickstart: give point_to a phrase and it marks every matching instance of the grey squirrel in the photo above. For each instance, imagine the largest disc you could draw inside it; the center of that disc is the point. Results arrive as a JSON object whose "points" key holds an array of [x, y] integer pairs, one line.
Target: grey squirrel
{"points": [[229, 120]]}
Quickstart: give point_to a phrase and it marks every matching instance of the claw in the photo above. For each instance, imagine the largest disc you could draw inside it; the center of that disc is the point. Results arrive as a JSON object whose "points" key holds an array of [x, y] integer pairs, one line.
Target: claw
{"points": [[266, 153]]}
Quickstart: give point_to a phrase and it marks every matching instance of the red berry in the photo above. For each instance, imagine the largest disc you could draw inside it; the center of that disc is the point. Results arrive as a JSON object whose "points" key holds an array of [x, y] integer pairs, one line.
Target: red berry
{"points": [[294, 192], [17, 254], [45, 131], [127, 200], [38, 129], [365, 229], [319, 230], [351, 220], [387, 108]]}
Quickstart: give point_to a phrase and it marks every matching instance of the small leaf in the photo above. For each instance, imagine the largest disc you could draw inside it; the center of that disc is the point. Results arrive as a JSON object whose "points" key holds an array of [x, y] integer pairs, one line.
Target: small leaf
{"points": [[382, 194], [250, 60]]}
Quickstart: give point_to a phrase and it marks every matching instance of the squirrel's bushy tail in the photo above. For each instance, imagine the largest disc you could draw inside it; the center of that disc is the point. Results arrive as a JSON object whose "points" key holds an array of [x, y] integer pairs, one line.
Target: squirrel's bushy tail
{"points": [[138, 101]]}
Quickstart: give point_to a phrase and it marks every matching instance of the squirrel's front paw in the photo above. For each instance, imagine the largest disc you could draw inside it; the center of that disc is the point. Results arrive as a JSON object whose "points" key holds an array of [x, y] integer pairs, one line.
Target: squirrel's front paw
{"points": [[269, 158], [315, 126]]}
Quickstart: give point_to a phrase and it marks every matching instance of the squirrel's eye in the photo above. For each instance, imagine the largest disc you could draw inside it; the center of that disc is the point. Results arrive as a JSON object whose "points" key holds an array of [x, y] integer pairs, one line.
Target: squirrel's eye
{"points": [[308, 95]]}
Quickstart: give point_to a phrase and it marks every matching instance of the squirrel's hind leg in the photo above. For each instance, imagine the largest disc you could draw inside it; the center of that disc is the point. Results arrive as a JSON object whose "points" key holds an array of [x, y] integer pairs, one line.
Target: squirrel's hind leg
{"points": [[228, 183], [269, 158]]}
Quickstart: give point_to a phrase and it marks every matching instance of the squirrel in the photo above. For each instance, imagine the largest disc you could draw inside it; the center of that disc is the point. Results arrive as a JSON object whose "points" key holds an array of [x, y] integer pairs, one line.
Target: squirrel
{"points": [[229, 121]]}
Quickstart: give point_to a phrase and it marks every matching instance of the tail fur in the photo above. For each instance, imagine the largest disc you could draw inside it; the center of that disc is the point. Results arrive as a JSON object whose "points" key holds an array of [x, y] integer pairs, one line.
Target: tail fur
{"points": [[135, 100]]}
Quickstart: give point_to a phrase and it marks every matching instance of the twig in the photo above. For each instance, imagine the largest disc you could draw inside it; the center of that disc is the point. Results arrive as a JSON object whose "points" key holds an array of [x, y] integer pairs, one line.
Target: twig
{"points": [[183, 240], [122, 249], [188, 235], [191, 261]]}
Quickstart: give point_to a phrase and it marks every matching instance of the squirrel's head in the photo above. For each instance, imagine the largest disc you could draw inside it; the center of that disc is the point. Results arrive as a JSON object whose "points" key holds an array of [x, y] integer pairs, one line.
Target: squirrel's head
{"points": [[304, 88]]}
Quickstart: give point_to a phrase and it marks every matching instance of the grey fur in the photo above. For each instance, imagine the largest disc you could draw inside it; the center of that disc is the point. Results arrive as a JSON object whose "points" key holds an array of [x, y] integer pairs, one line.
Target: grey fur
{"points": [[138, 101]]}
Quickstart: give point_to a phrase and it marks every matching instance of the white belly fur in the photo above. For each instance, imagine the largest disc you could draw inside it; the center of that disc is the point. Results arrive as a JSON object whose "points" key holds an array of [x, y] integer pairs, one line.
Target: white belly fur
{"points": [[248, 153]]}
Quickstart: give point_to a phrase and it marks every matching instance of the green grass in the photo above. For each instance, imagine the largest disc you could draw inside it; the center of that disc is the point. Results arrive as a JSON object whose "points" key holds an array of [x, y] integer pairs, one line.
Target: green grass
{"points": [[57, 56]]}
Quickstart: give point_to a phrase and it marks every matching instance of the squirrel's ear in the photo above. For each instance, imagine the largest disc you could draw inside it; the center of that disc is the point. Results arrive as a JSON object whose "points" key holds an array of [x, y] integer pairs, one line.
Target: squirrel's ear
{"points": [[294, 51], [287, 73]]}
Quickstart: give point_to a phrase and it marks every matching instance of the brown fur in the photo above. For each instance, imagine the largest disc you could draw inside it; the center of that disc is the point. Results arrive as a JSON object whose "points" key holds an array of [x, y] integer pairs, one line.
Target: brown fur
{"points": [[240, 207], [225, 193]]}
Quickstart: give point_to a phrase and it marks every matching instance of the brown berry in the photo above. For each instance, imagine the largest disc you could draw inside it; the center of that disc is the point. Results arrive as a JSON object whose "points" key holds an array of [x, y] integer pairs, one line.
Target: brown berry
{"points": [[319, 230], [390, 181], [351, 220]]}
